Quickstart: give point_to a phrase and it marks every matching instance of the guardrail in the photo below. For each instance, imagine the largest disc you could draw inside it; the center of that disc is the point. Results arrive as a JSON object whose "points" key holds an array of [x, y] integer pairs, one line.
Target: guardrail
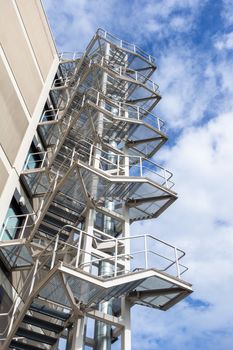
{"points": [[125, 110], [68, 55], [37, 160], [128, 73], [125, 45], [113, 163], [146, 252], [15, 226]]}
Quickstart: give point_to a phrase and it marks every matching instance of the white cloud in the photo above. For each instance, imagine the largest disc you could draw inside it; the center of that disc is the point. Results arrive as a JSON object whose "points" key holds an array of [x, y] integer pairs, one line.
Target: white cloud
{"points": [[227, 12], [197, 90], [188, 87], [225, 42], [201, 223]]}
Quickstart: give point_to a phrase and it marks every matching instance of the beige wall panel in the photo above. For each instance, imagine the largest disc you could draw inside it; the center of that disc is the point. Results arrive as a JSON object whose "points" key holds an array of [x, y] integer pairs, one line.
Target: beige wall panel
{"points": [[18, 55], [13, 122], [3, 175], [35, 25]]}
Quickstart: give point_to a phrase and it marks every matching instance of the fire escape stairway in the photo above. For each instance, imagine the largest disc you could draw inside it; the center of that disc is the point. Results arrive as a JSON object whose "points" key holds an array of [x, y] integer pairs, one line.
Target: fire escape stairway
{"points": [[87, 169], [41, 321]]}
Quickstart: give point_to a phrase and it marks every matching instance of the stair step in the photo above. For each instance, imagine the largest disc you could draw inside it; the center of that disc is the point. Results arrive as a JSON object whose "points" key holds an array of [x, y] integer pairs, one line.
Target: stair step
{"points": [[39, 337], [22, 346], [62, 211], [57, 221], [44, 310], [48, 230], [38, 322]]}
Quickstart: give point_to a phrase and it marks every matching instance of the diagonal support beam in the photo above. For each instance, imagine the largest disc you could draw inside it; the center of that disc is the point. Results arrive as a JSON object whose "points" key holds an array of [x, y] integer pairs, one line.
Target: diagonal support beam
{"points": [[86, 194], [139, 142], [138, 295], [134, 202]]}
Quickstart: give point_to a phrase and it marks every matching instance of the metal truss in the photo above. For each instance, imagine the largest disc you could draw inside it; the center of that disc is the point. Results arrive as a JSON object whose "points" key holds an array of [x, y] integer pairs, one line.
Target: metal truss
{"points": [[74, 258]]}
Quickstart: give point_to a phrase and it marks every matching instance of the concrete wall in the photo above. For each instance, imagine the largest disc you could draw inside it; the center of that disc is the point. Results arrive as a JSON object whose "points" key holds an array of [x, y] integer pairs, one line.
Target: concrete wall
{"points": [[28, 62]]}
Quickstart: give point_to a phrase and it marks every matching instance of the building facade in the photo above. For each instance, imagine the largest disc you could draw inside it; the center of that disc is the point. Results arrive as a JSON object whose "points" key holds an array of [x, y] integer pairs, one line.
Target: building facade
{"points": [[77, 140]]}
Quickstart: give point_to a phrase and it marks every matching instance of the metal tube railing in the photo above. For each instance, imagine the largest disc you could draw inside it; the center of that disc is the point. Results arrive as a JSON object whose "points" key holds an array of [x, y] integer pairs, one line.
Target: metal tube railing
{"points": [[133, 74], [117, 258], [139, 166], [129, 110], [144, 165], [66, 55], [125, 45], [56, 245], [37, 160], [21, 226]]}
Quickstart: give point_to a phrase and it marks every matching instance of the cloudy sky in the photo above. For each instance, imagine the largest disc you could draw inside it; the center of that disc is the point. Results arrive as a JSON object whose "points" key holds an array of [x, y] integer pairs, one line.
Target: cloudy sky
{"points": [[192, 41]]}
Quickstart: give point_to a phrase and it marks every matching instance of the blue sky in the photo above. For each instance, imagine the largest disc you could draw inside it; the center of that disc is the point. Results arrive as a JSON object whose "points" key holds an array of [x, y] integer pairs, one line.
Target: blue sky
{"points": [[192, 41]]}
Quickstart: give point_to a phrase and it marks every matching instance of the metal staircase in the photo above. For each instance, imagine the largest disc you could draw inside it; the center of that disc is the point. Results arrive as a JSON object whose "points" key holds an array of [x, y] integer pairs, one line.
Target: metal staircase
{"points": [[91, 180]]}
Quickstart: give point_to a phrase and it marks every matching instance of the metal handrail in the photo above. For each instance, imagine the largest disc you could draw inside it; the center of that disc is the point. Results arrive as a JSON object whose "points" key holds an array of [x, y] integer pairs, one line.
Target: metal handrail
{"points": [[125, 45], [115, 260], [51, 114], [22, 226], [19, 297], [69, 55], [41, 163], [143, 167], [130, 111], [121, 72], [121, 110], [178, 253]]}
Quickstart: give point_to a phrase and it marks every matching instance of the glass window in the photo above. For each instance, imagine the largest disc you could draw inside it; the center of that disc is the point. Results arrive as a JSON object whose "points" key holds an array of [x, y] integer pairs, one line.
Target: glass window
{"points": [[12, 223]]}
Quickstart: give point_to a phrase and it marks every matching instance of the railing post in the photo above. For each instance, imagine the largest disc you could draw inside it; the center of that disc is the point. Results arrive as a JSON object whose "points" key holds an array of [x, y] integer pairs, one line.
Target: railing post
{"points": [[97, 98], [27, 161], [153, 86], [165, 177], [138, 112], [158, 121], [72, 157], [90, 156], [24, 226], [140, 162], [43, 160], [115, 260], [57, 114], [4, 227], [118, 165], [79, 248], [54, 252], [145, 247], [34, 276], [177, 263]]}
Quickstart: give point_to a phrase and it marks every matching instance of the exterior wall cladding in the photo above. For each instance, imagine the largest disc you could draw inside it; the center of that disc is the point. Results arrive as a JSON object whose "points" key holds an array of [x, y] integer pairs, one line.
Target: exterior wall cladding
{"points": [[77, 140]]}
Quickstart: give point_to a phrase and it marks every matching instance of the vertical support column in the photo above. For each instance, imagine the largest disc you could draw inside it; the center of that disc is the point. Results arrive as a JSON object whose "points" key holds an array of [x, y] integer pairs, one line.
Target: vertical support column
{"points": [[126, 333], [125, 305], [76, 339], [102, 330]]}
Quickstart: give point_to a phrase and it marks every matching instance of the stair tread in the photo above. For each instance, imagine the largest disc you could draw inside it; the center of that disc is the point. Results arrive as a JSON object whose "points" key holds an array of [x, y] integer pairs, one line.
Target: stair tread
{"points": [[29, 334], [35, 321], [23, 346], [49, 312]]}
